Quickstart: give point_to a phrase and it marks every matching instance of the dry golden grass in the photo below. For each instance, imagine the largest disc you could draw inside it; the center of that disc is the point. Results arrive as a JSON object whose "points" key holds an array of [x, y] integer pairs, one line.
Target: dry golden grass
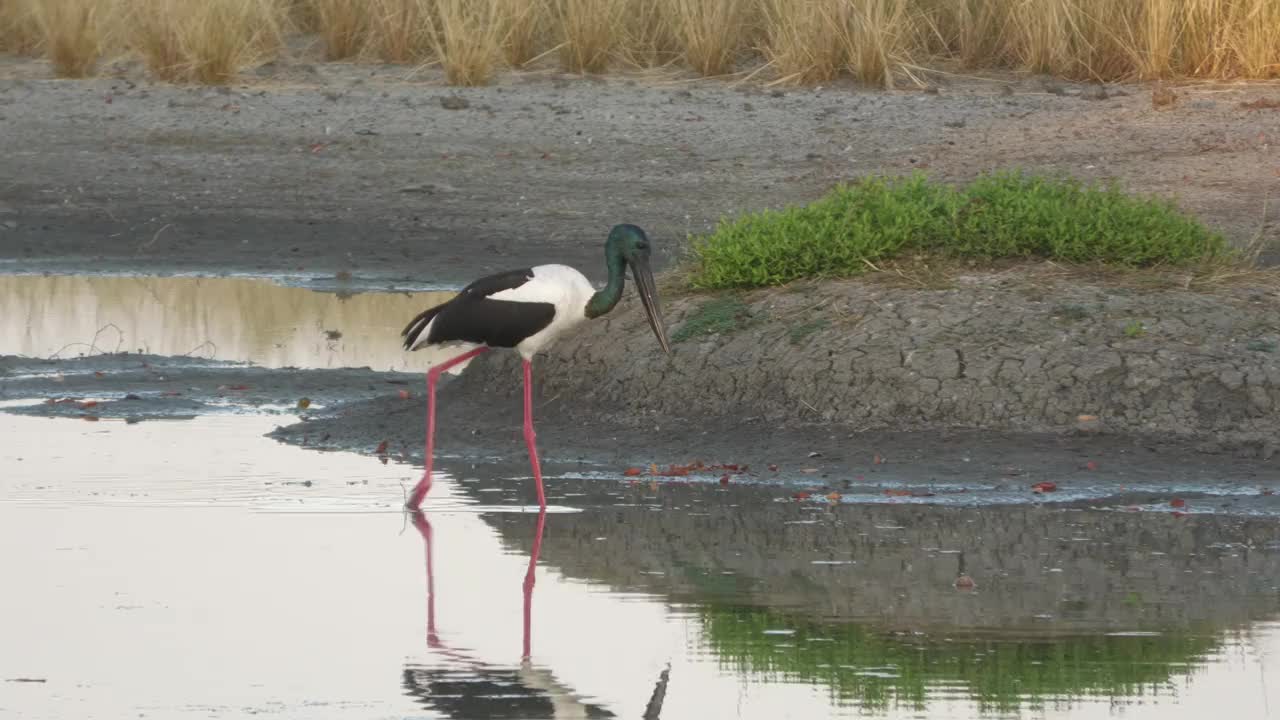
{"points": [[399, 31], [74, 34], [468, 39], [525, 24], [648, 36], [343, 24], [588, 30], [208, 42], [710, 32], [879, 34], [801, 41], [805, 41], [19, 29]]}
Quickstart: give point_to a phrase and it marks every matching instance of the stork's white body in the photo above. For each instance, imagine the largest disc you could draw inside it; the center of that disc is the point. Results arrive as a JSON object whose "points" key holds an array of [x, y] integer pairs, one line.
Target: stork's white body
{"points": [[560, 285]]}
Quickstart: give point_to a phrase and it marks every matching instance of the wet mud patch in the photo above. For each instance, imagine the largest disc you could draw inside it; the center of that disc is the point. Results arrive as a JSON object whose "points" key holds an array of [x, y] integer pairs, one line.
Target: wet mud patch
{"points": [[125, 385], [808, 464]]}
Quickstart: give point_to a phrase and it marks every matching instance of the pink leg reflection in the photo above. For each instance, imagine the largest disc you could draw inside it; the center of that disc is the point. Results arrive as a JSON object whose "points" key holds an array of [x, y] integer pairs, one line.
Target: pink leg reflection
{"points": [[433, 637], [529, 581]]}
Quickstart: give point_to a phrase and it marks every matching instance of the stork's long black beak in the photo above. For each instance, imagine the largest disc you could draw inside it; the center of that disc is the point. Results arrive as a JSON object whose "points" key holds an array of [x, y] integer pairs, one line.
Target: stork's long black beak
{"points": [[649, 297]]}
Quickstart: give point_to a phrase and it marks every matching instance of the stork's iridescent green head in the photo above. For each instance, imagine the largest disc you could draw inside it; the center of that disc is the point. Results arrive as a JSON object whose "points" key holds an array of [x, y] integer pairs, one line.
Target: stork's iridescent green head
{"points": [[628, 245]]}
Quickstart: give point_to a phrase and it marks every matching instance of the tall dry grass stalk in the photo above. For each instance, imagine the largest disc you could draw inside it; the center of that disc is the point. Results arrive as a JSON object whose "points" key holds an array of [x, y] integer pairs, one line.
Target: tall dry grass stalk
{"points": [[525, 23], [1040, 33], [806, 41], [208, 42], [710, 32], [399, 31], [878, 34], [343, 25], [74, 34], [647, 34], [19, 29], [468, 38], [1155, 39], [1255, 41], [588, 30]]}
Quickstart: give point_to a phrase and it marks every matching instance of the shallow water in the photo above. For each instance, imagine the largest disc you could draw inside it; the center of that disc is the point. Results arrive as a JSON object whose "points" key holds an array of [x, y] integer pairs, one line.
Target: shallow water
{"points": [[197, 569]]}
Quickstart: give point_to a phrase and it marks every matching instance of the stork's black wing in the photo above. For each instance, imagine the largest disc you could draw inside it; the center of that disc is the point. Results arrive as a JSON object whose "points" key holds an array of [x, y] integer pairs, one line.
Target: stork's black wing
{"points": [[472, 316]]}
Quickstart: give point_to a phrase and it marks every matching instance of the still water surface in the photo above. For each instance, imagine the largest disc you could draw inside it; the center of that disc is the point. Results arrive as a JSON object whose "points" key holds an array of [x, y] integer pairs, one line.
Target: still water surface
{"points": [[196, 569], [234, 319]]}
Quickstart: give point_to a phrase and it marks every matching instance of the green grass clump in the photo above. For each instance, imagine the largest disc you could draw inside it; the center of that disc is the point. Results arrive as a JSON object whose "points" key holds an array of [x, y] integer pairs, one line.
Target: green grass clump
{"points": [[721, 315], [1001, 215]]}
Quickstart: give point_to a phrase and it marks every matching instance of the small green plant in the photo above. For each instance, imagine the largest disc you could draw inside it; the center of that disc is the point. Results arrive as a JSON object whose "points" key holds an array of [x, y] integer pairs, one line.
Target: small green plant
{"points": [[1002, 215], [721, 315], [1135, 329], [798, 333]]}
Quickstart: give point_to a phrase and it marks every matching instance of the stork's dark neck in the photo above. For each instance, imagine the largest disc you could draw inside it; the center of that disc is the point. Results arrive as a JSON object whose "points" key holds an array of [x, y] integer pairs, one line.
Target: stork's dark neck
{"points": [[604, 300]]}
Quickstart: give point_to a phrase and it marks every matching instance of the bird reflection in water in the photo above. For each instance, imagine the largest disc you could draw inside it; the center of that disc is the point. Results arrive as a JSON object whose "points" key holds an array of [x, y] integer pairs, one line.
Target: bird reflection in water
{"points": [[467, 687]]}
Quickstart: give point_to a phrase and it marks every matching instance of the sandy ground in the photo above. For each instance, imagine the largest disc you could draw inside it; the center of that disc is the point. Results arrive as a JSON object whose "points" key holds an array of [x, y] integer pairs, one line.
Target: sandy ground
{"points": [[387, 173]]}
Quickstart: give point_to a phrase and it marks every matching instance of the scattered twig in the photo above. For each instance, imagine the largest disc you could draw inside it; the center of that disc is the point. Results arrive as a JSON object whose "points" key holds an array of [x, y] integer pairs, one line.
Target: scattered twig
{"points": [[93, 344], [210, 343], [155, 237]]}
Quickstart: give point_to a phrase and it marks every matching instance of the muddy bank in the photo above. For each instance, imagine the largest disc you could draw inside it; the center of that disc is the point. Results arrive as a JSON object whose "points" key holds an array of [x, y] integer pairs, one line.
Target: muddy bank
{"points": [[152, 387], [321, 169], [994, 353], [359, 410]]}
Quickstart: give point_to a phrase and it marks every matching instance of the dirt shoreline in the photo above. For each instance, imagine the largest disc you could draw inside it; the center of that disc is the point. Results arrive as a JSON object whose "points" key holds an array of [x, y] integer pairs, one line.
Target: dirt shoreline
{"points": [[994, 353], [351, 168]]}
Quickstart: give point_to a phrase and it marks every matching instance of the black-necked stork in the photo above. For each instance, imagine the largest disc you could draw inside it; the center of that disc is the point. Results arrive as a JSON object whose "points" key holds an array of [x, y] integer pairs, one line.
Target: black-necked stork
{"points": [[525, 310]]}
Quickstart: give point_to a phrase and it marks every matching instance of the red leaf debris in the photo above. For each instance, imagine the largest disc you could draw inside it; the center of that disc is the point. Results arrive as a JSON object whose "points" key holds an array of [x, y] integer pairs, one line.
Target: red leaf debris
{"points": [[170, 393], [382, 447], [773, 468], [404, 394], [833, 497], [1178, 502], [1091, 465], [897, 493], [877, 460], [1044, 487], [1268, 491], [802, 495], [1179, 513], [88, 403], [724, 479], [697, 466], [99, 374], [964, 582]]}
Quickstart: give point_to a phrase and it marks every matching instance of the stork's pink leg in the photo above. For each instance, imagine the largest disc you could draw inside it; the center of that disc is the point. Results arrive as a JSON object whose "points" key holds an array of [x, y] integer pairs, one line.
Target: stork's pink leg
{"points": [[528, 581], [433, 375], [530, 436]]}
